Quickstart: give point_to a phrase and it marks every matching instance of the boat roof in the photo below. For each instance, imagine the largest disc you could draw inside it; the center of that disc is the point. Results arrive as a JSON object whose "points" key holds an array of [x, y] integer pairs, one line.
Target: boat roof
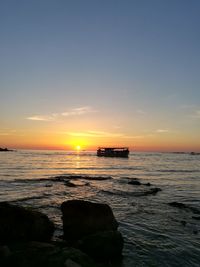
{"points": [[112, 148]]}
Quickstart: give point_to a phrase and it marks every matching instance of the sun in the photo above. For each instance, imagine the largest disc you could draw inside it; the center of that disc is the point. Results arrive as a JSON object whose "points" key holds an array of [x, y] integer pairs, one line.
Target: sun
{"points": [[78, 147], [77, 144]]}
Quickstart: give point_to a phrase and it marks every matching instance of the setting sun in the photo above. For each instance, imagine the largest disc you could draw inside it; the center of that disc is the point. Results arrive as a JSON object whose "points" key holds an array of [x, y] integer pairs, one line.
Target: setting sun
{"points": [[78, 147]]}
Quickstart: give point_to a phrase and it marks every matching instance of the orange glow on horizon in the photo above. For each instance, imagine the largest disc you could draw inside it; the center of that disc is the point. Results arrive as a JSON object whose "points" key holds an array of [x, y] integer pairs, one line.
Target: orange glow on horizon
{"points": [[52, 140]]}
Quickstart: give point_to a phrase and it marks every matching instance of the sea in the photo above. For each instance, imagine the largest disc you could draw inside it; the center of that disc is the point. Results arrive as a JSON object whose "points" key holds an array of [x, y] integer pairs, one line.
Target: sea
{"points": [[155, 197]]}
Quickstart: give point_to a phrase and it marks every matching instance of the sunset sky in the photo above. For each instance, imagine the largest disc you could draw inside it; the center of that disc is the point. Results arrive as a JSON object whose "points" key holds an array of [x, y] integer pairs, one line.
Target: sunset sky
{"points": [[100, 73]]}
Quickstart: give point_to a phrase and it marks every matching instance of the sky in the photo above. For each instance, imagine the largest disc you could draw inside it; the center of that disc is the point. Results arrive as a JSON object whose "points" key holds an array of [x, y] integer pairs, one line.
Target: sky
{"points": [[100, 73]]}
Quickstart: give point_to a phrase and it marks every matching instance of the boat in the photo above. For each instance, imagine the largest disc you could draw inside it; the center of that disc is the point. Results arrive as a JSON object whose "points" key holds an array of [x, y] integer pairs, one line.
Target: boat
{"points": [[122, 152], [5, 149]]}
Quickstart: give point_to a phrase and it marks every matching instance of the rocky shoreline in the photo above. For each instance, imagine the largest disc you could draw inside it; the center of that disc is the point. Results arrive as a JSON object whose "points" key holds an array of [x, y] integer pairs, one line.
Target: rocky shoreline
{"points": [[90, 239]]}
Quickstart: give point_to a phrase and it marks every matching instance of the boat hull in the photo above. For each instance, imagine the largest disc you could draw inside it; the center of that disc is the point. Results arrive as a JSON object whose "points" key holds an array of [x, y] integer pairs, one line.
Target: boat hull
{"points": [[113, 153]]}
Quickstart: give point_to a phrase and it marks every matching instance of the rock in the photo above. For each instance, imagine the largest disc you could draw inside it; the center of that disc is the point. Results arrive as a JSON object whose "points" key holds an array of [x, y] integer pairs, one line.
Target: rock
{"points": [[22, 224], [183, 223], [134, 182], [70, 263], [32, 254], [184, 206], [196, 217], [69, 184], [177, 205], [103, 245], [4, 252], [148, 184], [154, 191], [82, 218], [76, 256]]}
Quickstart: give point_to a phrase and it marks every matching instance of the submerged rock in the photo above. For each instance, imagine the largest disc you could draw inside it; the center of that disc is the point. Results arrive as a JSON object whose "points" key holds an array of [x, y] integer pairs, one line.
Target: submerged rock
{"points": [[82, 218], [184, 206], [178, 205], [152, 191], [196, 217], [135, 182], [69, 184], [148, 184], [22, 224]]}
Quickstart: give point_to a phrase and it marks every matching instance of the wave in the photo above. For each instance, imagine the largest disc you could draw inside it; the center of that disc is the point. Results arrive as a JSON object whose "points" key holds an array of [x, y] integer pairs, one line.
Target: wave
{"points": [[46, 195], [152, 191], [59, 178], [180, 171]]}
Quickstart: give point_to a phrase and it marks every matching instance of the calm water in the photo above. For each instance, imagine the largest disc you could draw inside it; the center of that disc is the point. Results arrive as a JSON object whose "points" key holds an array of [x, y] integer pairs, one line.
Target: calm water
{"points": [[155, 233]]}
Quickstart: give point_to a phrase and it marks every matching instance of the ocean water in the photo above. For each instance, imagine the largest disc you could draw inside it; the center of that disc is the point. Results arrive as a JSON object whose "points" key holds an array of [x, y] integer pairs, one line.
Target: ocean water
{"points": [[155, 233]]}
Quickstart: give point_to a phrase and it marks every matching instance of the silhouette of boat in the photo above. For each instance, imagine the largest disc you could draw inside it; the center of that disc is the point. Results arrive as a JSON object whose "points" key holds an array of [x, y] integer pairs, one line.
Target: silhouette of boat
{"points": [[5, 149], [113, 152]]}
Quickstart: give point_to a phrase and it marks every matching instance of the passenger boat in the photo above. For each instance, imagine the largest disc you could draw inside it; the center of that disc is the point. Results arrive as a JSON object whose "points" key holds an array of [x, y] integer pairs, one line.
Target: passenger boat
{"points": [[113, 152]]}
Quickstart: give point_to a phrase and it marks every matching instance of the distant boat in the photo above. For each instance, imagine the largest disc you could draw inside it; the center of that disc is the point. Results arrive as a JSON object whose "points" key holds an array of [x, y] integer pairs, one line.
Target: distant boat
{"points": [[113, 152], [5, 149], [194, 153]]}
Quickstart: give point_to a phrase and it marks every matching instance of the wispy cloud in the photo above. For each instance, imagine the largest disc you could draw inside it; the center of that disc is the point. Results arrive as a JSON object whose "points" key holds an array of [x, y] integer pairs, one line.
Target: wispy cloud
{"points": [[4, 134], [162, 131], [195, 115], [186, 106], [71, 112], [10, 132], [117, 127], [140, 111], [79, 111], [100, 134], [42, 118], [134, 136], [95, 134]]}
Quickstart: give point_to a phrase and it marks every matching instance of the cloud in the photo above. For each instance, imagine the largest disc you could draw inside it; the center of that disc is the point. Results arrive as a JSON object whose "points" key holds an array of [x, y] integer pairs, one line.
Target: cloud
{"points": [[8, 132], [134, 136], [162, 131], [117, 127], [196, 114], [4, 134], [78, 111], [100, 134], [186, 106], [140, 111], [94, 134], [42, 118], [72, 112]]}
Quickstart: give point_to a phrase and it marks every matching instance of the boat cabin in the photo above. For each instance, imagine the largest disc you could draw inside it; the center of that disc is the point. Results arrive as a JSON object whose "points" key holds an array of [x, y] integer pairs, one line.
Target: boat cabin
{"points": [[113, 152]]}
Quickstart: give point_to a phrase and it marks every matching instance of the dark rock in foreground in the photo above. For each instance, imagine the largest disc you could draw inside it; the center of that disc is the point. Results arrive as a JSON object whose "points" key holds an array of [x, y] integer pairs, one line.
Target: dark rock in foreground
{"points": [[82, 218], [36, 254], [21, 224], [103, 245], [92, 228]]}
